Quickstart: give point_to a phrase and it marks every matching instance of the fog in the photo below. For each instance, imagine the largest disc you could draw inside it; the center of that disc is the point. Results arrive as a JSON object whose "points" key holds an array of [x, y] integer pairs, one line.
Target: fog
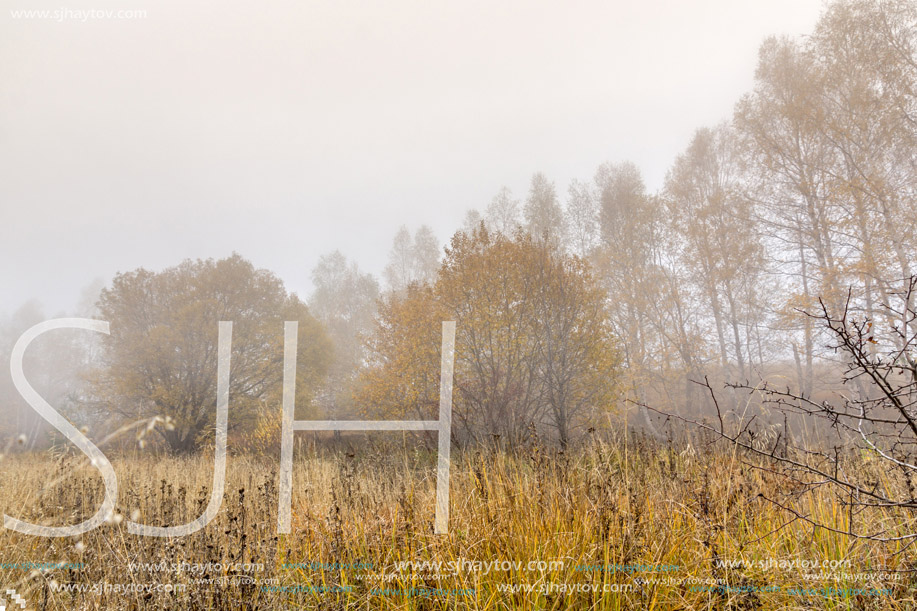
{"points": [[285, 130]]}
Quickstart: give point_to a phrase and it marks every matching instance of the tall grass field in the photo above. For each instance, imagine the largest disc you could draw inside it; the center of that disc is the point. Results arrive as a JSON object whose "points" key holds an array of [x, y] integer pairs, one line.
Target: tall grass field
{"points": [[622, 522]]}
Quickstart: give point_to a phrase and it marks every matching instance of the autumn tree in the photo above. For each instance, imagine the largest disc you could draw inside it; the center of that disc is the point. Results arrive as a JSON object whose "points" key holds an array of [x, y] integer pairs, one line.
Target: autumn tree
{"points": [[161, 356], [488, 284], [577, 354], [829, 130], [867, 51], [401, 377], [533, 343], [828, 137], [625, 261], [780, 124], [718, 245], [648, 300]]}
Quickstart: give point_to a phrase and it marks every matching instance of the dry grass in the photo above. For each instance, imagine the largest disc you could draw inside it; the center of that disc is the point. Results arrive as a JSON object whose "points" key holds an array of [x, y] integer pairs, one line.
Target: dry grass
{"points": [[615, 502]]}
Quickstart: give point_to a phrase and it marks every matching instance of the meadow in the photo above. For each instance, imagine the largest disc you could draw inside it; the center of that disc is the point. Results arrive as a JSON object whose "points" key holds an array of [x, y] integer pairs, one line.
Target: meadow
{"points": [[622, 522]]}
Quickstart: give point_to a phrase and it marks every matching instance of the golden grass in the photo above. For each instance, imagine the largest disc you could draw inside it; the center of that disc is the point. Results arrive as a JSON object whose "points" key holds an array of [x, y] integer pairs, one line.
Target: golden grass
{"points": [[617, 502]]}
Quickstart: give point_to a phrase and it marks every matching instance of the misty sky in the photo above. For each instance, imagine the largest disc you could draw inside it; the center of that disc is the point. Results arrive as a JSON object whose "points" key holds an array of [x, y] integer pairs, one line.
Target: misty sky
{"points": [[286, 129]]}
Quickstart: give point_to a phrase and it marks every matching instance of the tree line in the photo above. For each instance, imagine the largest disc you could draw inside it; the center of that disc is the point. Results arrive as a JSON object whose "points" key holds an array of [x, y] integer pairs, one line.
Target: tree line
{"points": [[570, 307]]}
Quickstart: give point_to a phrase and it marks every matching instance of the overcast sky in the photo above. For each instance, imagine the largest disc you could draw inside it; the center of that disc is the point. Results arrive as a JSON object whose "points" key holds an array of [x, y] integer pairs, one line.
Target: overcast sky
{"points": [[286, 129]]}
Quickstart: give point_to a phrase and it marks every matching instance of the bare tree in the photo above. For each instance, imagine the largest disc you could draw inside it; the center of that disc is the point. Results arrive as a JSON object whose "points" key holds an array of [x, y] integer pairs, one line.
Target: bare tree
{"points": [[427, 253], [57, 366], [582, 218], [400, 269], [344, 300], [876, 415], [543, 215], [412, 259], [503, 213], [471, 221]]}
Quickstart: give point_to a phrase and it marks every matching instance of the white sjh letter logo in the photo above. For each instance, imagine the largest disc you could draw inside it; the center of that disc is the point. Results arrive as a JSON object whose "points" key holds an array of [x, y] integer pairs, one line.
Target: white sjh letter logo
{"points": [[443, 426]]}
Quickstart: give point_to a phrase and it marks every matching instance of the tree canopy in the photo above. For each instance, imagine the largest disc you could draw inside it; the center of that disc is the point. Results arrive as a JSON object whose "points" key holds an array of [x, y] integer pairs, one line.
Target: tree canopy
{"points": [[533, 345], [161, 356]]}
